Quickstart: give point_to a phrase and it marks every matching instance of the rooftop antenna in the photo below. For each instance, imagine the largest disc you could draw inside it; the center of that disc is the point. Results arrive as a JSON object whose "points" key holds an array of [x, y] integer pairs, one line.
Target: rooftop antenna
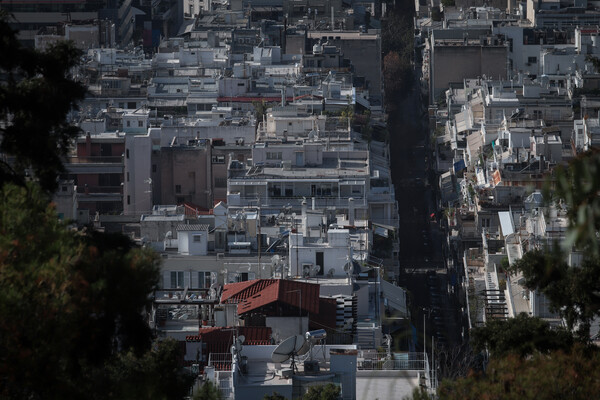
{"points": [[290, 348]]}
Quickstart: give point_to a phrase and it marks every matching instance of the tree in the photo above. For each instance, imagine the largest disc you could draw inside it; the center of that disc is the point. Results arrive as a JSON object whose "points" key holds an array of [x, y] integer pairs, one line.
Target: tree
{"points": [[578, 186], [36, 95], [72, 307], [323, 392], [274, 396], [573, 291], [556, 375], [522, 335], [208, 391]]}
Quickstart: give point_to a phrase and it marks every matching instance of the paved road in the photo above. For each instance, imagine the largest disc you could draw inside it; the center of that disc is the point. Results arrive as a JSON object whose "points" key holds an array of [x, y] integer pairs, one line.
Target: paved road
{"points": [[421, 239]]}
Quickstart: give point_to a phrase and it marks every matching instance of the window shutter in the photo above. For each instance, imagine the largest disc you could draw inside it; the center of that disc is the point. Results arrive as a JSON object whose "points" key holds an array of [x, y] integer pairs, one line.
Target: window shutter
{"points": [[166, 280], [195, 283], [186, 279]]}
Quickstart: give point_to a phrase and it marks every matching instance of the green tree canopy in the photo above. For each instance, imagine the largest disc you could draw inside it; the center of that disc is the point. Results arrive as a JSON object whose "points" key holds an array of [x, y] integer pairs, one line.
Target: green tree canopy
{"points": [[323, 392], [274, 396], [36, 95], [208, 391], [556, 375], [522, 335], [72, 309]]}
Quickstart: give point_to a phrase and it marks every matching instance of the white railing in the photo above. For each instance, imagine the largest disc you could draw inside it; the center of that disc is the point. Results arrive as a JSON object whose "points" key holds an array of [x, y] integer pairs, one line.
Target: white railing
{"points": [[372, 360]]}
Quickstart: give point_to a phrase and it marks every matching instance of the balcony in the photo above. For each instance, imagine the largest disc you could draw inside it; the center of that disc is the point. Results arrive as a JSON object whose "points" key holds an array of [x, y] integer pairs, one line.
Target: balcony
{"points": [[278, 202], [372, 360], [99, 189], [94, 160]]}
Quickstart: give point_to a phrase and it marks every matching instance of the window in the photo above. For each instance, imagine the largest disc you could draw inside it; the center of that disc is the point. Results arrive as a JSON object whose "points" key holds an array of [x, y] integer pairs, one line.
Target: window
{"points": [[204, 279], [197, 238], [131, 105], [127, 176], [153, 167], [241, 84], [127, 153], [128, 124], [140, 124], [218, 159], [64, 188], [245, 276], [272, 155], [128, 200], [220, 182], [176, 279], [180, 200], [531, 60], [177, 188]]}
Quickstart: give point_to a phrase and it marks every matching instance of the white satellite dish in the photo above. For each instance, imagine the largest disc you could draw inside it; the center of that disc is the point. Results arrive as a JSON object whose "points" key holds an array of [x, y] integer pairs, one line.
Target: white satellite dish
{"points": [[290, 348]]}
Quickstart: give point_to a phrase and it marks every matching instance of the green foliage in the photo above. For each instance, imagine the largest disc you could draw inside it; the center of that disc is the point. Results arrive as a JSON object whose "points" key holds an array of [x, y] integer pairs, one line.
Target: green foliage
{"points": [[274, 396], [419, 394], [208, 391], [36, 93], [558, 375], [154, 375], [595, 61], [572, 291], [522, 335], [448, 3], [323, 392], [72, 310], [578, 186]]}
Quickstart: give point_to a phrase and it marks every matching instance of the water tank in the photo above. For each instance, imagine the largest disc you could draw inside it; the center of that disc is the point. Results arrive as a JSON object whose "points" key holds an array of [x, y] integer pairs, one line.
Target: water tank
{"points": [[317, 49]]}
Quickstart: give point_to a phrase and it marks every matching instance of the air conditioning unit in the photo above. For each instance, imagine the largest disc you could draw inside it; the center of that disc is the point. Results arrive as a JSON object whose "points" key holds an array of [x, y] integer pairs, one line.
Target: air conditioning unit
{"points": [[311, 367]]}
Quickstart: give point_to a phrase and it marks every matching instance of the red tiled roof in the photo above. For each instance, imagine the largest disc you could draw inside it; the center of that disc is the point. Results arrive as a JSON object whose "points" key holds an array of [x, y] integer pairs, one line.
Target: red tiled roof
{"points": [[251, 295], [219, 339]]}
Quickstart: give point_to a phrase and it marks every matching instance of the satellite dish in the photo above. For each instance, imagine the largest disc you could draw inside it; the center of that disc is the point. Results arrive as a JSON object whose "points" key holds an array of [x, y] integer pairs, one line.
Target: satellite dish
{"points": [[331, 272], [306, 271], [315, 269], [293, 346]]}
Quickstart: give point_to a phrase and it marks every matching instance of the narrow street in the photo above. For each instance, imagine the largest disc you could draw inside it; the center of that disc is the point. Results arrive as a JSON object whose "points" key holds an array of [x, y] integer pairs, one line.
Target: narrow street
{"points": [[423, 269]]}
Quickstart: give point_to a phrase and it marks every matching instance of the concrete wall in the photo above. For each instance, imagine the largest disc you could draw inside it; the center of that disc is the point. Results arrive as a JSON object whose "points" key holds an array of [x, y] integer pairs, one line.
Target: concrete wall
{"points": [[189, 170], [284, 327], [137, 185], [334, 258], [456, 63]]}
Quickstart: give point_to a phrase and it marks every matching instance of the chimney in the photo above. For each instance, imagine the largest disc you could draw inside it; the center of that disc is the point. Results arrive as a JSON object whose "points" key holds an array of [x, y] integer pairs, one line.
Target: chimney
{"points": [[351, 211]]}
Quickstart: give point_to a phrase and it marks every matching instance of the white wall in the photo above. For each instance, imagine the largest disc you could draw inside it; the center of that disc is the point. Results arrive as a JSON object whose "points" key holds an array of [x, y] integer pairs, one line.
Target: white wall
{"points": [[334, 256], [187, 244], [284, 327]]}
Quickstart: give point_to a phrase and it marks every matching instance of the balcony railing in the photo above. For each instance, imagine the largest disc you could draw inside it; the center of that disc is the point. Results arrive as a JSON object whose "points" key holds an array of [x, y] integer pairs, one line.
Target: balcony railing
{"points": [[100, 189], [95, 160], [395, 361], [221, 361], [320, 202]]}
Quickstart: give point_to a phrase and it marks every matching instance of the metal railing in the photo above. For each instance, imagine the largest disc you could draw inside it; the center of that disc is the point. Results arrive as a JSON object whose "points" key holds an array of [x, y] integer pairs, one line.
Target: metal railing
{"points": [[372, 360], [221, 361], [95, 160], [320, 202]]}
